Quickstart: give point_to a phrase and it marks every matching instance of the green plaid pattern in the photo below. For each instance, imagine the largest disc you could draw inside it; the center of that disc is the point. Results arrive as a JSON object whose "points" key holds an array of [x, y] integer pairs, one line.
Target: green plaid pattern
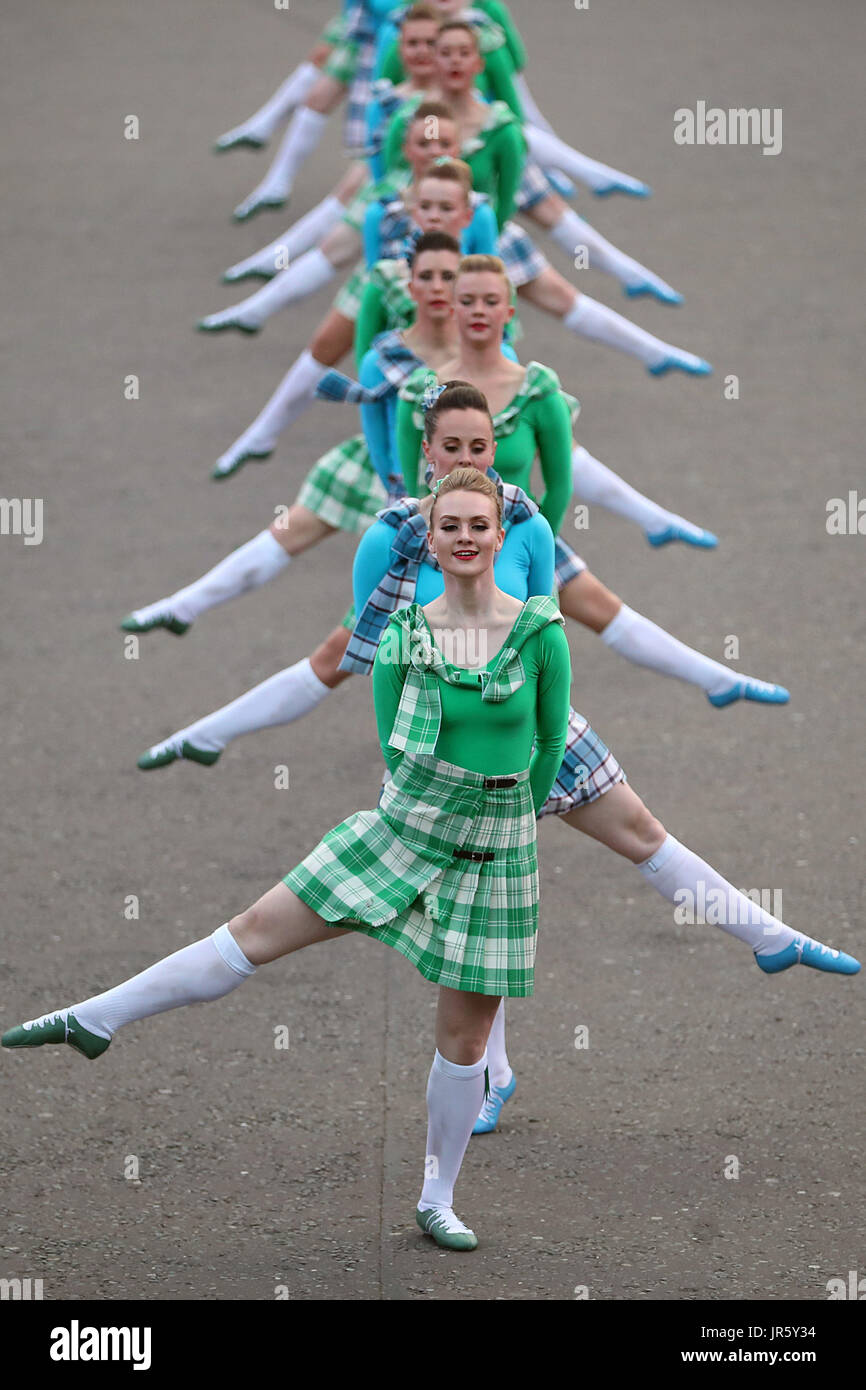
{"points": [[407, 641], [343, 62], [343, 487], [391, 186], [392, 280], [391, 874], [334, 31], [538, 381]]}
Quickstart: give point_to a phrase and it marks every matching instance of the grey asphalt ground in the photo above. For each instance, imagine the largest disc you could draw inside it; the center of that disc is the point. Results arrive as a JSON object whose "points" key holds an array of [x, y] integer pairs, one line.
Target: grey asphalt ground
{"points": [[262, 1169]]}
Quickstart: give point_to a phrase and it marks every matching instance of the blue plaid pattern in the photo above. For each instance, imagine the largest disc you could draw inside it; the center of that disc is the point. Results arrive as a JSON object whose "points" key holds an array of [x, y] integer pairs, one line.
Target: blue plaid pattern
{"points": [[408, 552], [396, 362]]}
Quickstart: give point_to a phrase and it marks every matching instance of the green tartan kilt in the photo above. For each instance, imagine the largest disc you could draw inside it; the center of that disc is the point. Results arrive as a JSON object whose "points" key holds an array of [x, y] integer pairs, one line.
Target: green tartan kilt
{"points": [[343, 487], [334, 31], [391, 874], [348, 298], [343, 62]]}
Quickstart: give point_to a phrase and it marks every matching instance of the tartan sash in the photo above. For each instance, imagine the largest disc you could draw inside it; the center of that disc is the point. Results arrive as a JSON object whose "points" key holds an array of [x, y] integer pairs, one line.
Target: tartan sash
{"points": [[409, 552], [419, 714], [396, 362]]}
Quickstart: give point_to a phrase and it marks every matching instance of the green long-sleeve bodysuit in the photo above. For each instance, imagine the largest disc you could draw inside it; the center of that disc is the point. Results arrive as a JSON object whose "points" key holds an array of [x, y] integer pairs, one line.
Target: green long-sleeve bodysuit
{"points": [[494, 737]]}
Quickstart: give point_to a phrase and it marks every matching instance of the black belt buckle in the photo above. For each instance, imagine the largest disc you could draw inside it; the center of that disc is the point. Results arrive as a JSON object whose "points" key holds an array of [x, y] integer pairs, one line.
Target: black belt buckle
{"points": [[492, 783], [478, 856]]}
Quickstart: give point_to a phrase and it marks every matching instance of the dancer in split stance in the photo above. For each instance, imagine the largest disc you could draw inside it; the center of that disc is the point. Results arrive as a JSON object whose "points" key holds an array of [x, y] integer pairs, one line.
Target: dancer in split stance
{"points": [[458, 898]]}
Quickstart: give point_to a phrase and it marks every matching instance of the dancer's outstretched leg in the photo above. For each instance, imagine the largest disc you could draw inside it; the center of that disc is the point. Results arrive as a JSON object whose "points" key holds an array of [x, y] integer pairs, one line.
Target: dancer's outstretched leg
{"points": [[630, 634], [550, 151], [620, 820], [257, 131], [600, 486], [589, 249], [278, 924], [306, 129], [248, 567], [281, 699], [295, 394], [587, 318], [304, 235]]}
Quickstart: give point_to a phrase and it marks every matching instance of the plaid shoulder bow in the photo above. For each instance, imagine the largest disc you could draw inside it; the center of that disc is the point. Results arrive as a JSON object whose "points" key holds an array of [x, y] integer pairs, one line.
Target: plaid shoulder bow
{"points": [[419, 713]]}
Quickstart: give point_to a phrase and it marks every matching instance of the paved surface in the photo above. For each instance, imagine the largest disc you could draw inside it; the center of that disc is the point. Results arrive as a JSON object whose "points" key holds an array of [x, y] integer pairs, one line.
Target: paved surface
{"points": [[260, 1167]]}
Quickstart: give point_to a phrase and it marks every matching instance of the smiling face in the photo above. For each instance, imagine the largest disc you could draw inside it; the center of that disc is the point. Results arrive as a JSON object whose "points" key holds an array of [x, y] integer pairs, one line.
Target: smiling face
{"points": [[482, 306], [458, 61], [462, 439], [432, 137], [440, 205], [464, 533], [432, 283], [418, 48]]}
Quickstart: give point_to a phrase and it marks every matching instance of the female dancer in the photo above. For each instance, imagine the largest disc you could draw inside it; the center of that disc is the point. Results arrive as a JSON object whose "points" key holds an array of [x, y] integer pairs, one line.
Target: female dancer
{"points": [[455, 892], [529, 419]]}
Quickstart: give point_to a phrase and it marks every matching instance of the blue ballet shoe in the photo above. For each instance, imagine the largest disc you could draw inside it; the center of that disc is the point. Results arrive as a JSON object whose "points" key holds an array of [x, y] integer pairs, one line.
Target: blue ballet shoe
{"points": [[664, 293], [804, 951], [762, 692], [563, 185], [488, 1119], [704, 540], [634, 187], [681, 362]]}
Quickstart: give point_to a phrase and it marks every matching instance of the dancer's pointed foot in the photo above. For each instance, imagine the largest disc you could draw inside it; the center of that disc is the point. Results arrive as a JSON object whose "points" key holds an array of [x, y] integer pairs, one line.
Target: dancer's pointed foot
{"points": [[178, 746], [658, 288], [488, 1118], [804, 950], [233, 317], [675, 360], [747, 688], [243, 271], [446, 1229], [623, 183], [683, 531], [157, 615], [234, 459], [258, 202], [240, 136], [59, 1027]]}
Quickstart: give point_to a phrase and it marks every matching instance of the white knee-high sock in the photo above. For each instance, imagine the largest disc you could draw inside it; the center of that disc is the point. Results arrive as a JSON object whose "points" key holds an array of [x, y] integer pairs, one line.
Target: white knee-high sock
{"points": [[205, 970], [550, 151], [248, 567], [589, 319], [282, 698], [454, 1096], [530, 108], [685, 879], [302, 278], [637, 639], [572, 232], [300, 140], [497, 1057], [303, 235], [294, 395], [294, 90], [599, 485]]}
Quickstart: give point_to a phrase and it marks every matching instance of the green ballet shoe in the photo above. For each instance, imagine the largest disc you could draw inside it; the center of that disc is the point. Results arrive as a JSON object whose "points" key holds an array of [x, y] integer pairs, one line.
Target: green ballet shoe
{"points": [[60, 1027], [161, 754], [446, 1230], [132, 624]]}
